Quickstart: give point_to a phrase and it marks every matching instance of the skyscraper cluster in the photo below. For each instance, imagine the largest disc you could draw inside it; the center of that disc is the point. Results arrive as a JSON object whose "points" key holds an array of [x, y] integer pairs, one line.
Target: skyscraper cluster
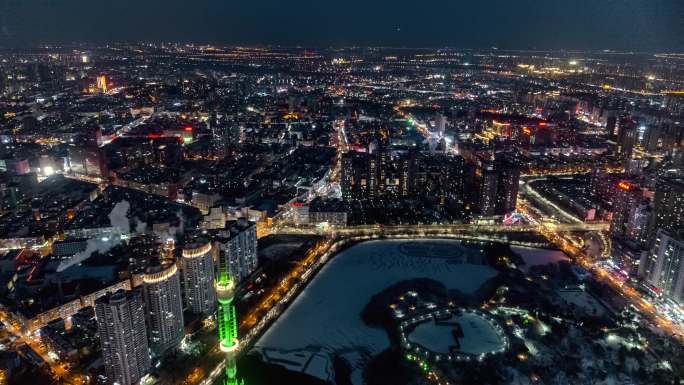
{"points": [[379, 174], [148, 320], [663, 264], [483, 185], [493, 185]]}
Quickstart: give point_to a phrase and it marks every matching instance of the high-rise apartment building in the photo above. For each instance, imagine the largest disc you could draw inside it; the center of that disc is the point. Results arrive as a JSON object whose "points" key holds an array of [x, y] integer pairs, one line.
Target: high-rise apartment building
{"points": [[627, 137], [668, 206], [664, 265], [238, 245], [507, 188], [627, 196], [485, 187], [637, 225], [198, 278], [86, 158], [356, 181], [164, 306], [123, 335]]}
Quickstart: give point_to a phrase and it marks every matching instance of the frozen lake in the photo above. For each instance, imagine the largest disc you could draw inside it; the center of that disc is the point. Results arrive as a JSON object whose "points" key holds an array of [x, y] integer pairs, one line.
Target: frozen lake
{"points": [[536, 257], [479, 336], [325, 320]]}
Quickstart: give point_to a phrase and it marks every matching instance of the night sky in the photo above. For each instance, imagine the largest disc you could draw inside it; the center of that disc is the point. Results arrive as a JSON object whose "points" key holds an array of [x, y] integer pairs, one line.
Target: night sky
{"points": [[644, 25]]}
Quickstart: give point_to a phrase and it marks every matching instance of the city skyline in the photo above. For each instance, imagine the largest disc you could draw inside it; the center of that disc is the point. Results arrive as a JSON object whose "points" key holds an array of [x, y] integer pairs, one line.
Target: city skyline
{"points": [[649, 26], [354, 193]]}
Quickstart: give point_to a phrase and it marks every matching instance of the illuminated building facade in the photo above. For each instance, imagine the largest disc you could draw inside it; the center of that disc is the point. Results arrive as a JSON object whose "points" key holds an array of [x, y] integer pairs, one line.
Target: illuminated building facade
{"points": [[238, 245], [637, 225], [507, 188], [486, 187], [356, 181], [405, 171], [664, 266], [379, 171], [86, 158], [440, 175], [627, 197], [121, 325], [198, 278], [162, 293], [378, 175], [668, 206], [627, 137], [102, 84]]}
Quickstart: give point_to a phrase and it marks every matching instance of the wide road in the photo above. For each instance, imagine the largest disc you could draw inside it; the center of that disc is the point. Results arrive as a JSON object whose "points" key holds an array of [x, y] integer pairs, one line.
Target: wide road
{"points": [[569, 246], [437, 229]]}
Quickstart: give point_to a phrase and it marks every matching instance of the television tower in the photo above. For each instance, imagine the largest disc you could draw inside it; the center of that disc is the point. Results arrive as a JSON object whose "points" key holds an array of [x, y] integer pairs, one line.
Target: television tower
{"points": [[227, 323]]}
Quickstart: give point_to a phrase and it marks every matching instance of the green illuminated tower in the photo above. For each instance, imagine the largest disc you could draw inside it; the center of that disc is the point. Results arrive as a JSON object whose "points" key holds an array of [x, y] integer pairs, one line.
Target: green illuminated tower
{"points": [[227, 323]]}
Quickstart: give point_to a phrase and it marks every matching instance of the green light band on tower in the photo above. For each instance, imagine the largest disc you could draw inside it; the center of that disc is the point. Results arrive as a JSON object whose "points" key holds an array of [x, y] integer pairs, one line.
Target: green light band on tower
{"points": [[227, 324]]}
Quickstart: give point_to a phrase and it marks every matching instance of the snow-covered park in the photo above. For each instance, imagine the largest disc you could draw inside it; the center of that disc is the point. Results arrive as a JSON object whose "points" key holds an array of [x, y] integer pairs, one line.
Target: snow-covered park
{"points": [[583, 300], [325, 320]]}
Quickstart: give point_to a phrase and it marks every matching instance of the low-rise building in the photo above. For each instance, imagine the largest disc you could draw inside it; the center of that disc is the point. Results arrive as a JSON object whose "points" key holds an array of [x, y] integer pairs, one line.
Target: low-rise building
{"points": [[331, 211]]}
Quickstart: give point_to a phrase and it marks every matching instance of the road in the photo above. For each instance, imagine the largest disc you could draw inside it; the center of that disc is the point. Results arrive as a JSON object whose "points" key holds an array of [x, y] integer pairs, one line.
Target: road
{"points": [[558, 212], [437, 229], [60, 371], [647, 310], [422, 128], [342, 148], [569, 246]]}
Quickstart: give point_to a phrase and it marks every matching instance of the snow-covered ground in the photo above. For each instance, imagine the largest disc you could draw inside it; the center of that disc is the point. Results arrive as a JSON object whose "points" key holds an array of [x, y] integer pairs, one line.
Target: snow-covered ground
{"points": [[535, 257], [479, 336], [325, 319], [583, 300], [280, 249], [309, 362]]}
